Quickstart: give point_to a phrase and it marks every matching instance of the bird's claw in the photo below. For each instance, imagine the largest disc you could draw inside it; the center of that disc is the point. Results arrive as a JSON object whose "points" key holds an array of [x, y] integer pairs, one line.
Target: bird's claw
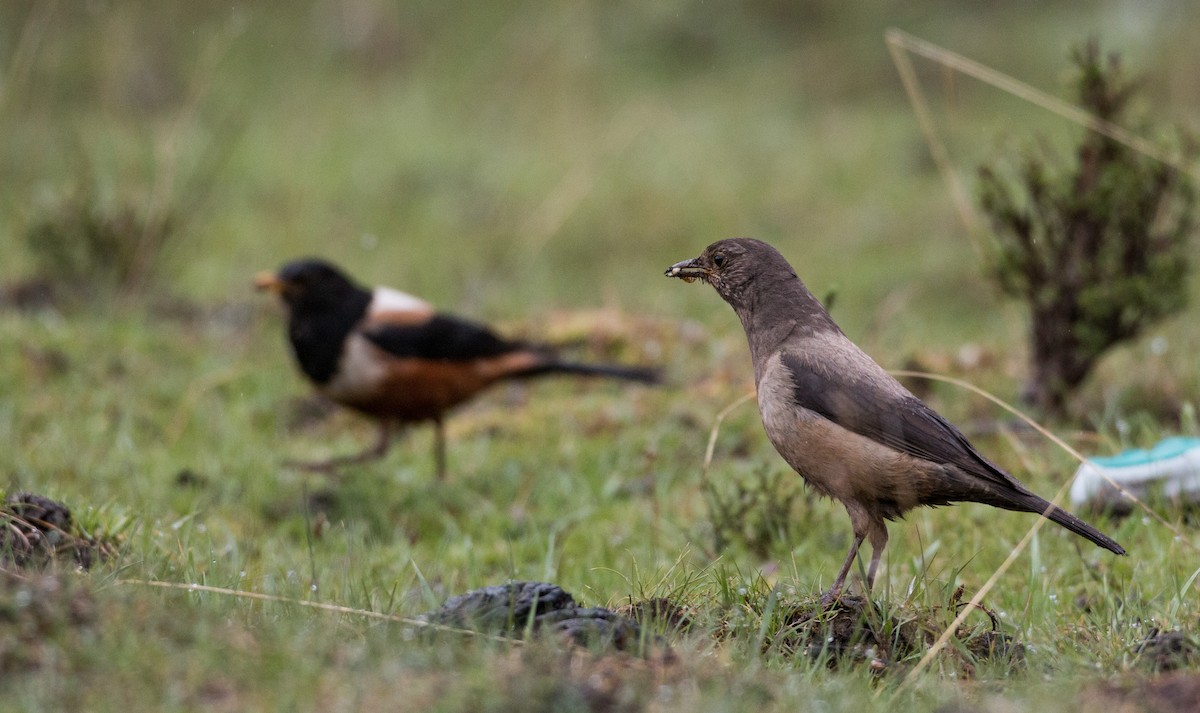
{"points": [[828, 599]]}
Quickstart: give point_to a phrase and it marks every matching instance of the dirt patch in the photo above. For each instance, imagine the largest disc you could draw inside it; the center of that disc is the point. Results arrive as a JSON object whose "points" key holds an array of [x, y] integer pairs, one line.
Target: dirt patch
{"points": [[660, 613], [29, 295], [856, 631], [852, 631], [1166, 694], [188, 478], [45, 363], [35, 530], [611, 334], [36, 613], [1167, 651]]}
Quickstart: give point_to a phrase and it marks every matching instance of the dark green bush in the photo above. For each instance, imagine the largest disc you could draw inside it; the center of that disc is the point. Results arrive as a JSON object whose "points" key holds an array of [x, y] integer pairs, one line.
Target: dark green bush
{"points": [[1098, 250], [93, 248]]}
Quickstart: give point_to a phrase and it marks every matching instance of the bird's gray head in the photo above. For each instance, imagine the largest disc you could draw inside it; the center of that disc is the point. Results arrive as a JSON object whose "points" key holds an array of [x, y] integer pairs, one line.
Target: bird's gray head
{"points": [[761, 287], [734, 266]]}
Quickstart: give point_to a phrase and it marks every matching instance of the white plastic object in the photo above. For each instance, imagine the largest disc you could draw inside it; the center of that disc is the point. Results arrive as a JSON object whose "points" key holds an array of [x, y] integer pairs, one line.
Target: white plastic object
{"points": [[1171, 470]]}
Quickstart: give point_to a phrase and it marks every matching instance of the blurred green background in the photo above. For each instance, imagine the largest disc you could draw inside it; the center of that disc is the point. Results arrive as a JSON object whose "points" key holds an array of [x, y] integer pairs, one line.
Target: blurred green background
{"points": [[536, 165], [502, 158]]}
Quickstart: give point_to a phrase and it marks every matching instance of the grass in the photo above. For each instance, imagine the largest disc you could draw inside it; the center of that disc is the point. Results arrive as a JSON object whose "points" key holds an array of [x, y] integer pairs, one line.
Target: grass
{"points": [[537, 167]]}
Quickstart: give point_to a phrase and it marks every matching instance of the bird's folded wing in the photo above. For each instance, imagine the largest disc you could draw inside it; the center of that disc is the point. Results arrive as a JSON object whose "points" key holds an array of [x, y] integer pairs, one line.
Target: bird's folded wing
{"points": [[898, 420], [436, 337]]}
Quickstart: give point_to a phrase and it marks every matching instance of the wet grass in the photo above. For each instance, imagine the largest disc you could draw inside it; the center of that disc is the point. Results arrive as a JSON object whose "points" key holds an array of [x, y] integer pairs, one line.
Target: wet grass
{"points": [[536, 167]]}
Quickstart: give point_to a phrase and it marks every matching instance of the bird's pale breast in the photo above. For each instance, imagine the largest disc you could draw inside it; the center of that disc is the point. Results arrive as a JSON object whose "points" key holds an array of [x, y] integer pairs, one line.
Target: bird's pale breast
{"points": [[833, 460]]}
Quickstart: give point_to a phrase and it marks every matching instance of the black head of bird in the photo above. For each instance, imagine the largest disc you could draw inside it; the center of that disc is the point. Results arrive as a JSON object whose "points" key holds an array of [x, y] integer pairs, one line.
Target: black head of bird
{"points": [[309, 284]]}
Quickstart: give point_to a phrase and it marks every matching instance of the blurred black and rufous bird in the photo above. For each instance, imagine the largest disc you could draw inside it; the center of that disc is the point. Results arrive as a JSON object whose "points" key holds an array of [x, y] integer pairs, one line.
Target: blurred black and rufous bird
{"points": [[391, 356], [843, 423]]}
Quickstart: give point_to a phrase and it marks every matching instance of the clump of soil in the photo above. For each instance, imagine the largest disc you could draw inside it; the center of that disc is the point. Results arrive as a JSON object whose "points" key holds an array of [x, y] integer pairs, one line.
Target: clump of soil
{"points": [[29, 295], [659, 612], [1165, 694], [518, 609], [850, 631], [854, 630], [1168, 651], [35, 530]]}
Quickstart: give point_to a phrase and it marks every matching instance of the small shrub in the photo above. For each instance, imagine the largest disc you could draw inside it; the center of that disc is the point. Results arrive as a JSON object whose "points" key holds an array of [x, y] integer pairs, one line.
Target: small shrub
{"points": [[1099, 251], [755, 510], [90, 247]]}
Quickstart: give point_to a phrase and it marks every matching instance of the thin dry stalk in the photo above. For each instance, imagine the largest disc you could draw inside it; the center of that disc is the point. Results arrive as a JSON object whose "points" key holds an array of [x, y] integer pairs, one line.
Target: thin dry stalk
{"points": [[899, 39], [322, 606], [937, 147], [901, 43], [716, 428]]}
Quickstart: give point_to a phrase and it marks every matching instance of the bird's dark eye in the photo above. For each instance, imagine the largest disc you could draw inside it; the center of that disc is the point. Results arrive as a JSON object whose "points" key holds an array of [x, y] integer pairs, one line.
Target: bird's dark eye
{"points": [[719, 259]]}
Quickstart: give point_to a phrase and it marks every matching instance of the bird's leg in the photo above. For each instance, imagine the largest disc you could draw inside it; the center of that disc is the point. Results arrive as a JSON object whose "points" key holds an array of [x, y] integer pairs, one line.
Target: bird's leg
{"points": [[439, 447], [879, 538], [835, 591], [383, 443], [375, 452]]}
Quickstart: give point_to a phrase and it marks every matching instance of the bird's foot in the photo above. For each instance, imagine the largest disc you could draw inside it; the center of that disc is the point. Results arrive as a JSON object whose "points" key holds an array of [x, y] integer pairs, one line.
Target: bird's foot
{"points": [[833, 596], [332, 465], [319, 466]]}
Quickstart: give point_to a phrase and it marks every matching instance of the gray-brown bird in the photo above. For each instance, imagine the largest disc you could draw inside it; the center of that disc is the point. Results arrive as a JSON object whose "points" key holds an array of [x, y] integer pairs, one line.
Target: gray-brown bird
{"points": [[843, 423]]}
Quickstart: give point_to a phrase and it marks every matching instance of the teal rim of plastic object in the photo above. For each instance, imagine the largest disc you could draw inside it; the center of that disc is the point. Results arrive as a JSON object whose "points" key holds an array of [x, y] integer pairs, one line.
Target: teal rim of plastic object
{"points": [[1163, 450]]}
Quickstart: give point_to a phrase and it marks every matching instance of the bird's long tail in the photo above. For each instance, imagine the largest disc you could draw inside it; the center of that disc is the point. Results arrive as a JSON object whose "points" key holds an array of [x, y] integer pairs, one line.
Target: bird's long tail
{"points": [[640, 374], [1074, 524]]}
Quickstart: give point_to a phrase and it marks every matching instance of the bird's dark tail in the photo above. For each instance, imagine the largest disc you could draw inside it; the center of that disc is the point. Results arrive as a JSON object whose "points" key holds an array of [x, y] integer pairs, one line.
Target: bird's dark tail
{"points": [[1074, 524], [640, 374]]}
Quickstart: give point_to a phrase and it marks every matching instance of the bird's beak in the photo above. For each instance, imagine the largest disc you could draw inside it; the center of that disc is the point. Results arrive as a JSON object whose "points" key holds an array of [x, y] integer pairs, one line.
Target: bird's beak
{"points": [[268, 282], [689, 270]]}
